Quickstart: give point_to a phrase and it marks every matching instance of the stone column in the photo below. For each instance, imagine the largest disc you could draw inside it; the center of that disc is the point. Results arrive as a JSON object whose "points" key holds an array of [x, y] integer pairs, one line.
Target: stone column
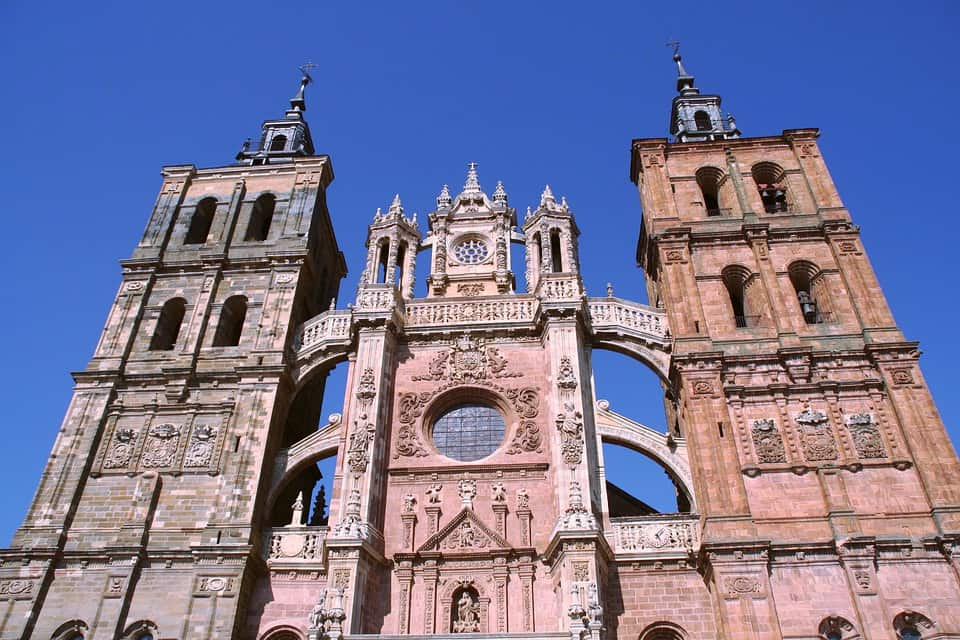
{"points": [[405, 578], [526, 572], [500, 577], [433, 518], [500, 517]]}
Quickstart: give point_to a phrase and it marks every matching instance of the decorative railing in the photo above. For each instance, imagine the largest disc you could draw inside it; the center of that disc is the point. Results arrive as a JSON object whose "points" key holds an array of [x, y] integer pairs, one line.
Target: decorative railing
{"points": [[617, 314], [296, 544], [329, 326], [377, 297], [559, 287], [660, 534], [513, 309]]}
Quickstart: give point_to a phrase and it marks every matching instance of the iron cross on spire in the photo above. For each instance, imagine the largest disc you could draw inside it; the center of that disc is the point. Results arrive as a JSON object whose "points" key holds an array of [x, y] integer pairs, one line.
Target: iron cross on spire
{"points": [[305, 70], [675, 44]]}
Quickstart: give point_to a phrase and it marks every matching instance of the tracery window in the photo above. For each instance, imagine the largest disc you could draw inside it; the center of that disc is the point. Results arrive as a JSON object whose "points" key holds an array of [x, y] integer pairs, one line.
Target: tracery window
{"points": [[469, 432], [471, 251]]}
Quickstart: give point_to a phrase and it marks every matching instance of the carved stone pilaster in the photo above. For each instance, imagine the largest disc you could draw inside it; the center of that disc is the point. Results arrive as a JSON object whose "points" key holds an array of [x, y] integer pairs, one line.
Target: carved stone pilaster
{"points": [[500, 517]]}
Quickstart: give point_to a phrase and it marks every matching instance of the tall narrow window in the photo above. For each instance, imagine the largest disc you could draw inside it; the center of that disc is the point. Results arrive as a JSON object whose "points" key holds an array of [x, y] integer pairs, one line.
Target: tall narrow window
{"points": [[538, 250], [702, 120], [230, 327], [200, 221], [769, 178], [556, 262], [383, 253], [398, 268], [809, 288], [278, 143], [168, 325], [261, 218], [735, 279], [709, 180]]}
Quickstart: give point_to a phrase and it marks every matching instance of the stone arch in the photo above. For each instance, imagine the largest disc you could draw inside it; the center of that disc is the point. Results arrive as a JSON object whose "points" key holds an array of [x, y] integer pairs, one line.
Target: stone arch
{"points": [[70, 630], [318, 362], [667, 451], [919, 624], [453, 587], [663, 630], [837, 628], [293, 460], [656, 358], [282, 632]]}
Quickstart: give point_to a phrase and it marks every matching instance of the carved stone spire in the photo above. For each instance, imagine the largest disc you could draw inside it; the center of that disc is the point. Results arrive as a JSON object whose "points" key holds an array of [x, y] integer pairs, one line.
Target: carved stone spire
{"points": [[444, 200], [546, 198], [500, 195], [472, 184], [396, 207]]}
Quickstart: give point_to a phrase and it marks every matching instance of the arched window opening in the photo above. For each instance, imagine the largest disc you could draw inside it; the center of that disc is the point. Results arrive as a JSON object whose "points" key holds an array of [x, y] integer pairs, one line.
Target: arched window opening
{"points": [[398, 268], [836, 628], [769, 178], [383, 254], [72, 630], [321, 396], [738, 282], [911, 625], [465, 611], [556, 254], [305, 499], [230, 327], [168, 325], [809, 286], [702, 120], [663, 631], [260, 219], [709, 180], [141, 630], [538, 250], [201, 221], [278, 143], [283, 634]]}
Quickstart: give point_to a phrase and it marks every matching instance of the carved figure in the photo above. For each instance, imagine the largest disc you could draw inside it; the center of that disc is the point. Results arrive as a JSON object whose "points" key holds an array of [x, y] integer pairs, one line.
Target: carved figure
{"points": [[566, 378], [434, 494], [570, 426], [467, 619], [499, 492], [409, 503], [523, 498]]}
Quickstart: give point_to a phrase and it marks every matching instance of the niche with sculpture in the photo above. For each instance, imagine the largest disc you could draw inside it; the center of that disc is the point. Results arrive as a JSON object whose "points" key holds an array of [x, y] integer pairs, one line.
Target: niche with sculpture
{"points": [[465, 611]]}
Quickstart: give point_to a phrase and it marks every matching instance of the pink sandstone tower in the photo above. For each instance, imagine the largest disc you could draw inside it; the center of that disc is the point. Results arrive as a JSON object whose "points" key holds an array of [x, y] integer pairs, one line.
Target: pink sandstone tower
{"points": [[818, 494]]}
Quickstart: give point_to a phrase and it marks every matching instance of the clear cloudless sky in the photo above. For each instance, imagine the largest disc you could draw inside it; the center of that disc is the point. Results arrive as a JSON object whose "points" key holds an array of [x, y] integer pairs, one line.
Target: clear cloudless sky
{"points": [[98, 96]]}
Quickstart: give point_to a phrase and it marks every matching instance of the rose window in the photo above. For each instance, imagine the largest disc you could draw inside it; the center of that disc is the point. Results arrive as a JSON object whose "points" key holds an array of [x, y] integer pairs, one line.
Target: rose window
{"points": [[471, 251], [469, 432]]}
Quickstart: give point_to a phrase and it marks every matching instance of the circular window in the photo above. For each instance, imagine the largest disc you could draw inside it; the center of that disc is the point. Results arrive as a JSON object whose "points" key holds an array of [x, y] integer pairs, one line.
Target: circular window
{"points": [[469, 432], [471, 251]]}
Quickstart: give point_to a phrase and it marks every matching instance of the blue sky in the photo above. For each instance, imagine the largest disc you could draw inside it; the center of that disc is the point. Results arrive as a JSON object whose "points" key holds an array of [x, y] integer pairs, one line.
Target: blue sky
{"points": [[100, 96]]}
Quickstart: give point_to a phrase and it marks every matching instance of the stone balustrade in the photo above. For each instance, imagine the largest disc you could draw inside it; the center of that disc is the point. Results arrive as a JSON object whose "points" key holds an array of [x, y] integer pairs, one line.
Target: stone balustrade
{"points": [[329, 326], [617, 314], [514, 309], [666, 534], [293, 544], [559, 287]]}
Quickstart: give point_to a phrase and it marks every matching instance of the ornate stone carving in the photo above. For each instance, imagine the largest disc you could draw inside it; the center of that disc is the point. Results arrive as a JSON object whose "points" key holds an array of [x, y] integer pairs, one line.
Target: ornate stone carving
{"points": [[498, 492], [570, 426], [366, 388], [160, 446], [902, 376], [526, 401], [527, 438], [817, 437], [470, 289], [466, 536], [862, 578], [655, 536], [434, 494], [576, 515], [566, 377], [352, 525], [358, 456], [581, 571], [523, 498], [121, 449], [742, 584], [215, 584], [200, 449], [409, 408], [467, 614], [409, 503], [768, 442], [16, 587], [296, 544], [702, 387], [866, 436], [468, 360], [467, 489]]}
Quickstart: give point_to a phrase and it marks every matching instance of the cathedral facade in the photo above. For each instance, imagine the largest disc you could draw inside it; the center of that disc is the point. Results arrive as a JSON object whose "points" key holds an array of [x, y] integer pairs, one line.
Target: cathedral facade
{"points": [[818, 493]]}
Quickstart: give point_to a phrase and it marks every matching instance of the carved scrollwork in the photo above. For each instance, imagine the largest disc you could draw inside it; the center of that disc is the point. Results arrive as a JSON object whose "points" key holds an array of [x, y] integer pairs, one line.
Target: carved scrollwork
{"points": [[866, 436], [742, 584], [818, 440], [160, 446], [468, 360], [768, 442], [200, 449], [409, 408], [527, 438], [121, 449], [526, 401]]}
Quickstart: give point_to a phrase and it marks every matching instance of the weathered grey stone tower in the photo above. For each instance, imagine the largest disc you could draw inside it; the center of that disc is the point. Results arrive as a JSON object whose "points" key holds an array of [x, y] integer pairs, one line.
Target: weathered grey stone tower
{"points": [[145, 510]]}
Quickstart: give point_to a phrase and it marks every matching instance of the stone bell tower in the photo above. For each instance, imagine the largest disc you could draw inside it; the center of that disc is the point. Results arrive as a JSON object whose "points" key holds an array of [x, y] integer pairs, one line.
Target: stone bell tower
{"points": [[828, 489], [147, 513]]}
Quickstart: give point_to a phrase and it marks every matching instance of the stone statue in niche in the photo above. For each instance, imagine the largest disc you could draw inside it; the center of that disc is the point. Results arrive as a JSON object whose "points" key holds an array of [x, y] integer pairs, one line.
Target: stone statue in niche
{"points": [[466, 615], [570, 426]]}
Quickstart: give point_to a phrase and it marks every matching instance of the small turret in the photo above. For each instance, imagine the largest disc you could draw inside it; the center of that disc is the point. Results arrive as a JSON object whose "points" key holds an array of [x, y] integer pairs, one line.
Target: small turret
{"points": [[392, 241], [697, 117], [284, 139]]}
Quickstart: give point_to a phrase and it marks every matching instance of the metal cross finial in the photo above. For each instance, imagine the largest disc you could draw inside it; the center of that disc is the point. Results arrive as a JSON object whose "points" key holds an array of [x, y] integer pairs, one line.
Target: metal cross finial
{"points": [[675, 44], [305, 70]]}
